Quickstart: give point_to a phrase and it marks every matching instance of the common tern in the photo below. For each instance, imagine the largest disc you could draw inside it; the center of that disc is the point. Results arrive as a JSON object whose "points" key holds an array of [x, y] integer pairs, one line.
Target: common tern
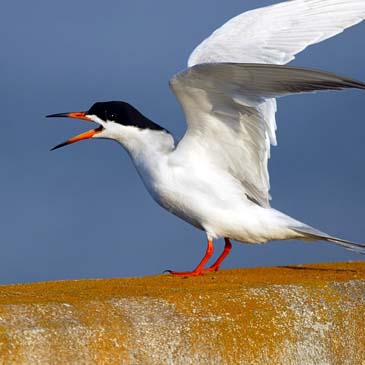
{"points": [[216, 177]]}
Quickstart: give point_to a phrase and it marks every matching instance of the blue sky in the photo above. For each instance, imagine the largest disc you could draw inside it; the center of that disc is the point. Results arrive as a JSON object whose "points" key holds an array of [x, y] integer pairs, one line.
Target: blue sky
{"points": [[82, 211]]}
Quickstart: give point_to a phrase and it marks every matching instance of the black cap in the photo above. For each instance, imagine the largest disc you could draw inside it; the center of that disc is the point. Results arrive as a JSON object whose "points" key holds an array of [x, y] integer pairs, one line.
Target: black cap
{"points": [[122, 113]]}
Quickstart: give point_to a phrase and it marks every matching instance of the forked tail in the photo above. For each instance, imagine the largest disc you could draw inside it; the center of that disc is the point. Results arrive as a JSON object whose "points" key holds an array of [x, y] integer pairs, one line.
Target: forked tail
{"points": [[311, 233]]}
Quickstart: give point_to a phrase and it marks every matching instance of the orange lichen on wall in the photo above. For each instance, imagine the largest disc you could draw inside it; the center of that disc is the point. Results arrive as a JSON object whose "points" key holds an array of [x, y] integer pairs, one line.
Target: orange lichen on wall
{"points": [[309, 314]]}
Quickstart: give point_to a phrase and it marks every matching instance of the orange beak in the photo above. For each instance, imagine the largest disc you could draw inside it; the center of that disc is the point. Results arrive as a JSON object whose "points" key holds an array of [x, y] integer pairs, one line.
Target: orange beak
{"points": [[80, 137]]}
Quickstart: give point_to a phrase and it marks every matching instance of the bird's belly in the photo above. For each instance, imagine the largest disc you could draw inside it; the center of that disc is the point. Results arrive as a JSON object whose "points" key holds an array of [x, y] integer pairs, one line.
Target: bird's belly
{"points": [[215, 205], [205, 205], [239, 220], [182, 205]]}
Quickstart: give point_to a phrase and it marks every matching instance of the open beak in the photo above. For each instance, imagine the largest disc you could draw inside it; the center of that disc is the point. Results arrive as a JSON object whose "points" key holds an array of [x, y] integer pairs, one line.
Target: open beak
{"points": [[80, 137]]}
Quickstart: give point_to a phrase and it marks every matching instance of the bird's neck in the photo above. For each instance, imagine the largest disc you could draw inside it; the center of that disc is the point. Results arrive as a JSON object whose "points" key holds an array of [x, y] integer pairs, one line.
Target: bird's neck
{"points": [[147, 148]]}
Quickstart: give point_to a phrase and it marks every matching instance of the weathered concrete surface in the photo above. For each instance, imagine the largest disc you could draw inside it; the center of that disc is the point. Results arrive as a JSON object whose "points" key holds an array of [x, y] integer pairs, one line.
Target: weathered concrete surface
{"points": [[312, 314]]}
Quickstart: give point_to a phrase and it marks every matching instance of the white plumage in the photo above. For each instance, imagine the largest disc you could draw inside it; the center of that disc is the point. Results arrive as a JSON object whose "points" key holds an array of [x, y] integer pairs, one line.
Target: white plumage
{"points": [[275, 34], [216, 177]]}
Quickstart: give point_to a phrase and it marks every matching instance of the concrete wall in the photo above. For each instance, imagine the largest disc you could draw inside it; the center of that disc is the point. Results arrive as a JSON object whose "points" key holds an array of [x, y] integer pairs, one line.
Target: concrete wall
{"points": [[292, 315]]}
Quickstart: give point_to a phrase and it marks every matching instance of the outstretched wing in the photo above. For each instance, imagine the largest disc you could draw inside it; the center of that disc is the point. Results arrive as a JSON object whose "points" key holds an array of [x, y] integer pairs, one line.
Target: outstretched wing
{"points": [[226, 110], [275, 34], [242, 124]]}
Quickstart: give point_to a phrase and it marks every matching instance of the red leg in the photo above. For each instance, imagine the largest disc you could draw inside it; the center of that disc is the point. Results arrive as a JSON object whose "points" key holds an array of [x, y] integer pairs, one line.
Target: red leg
{"points": [[199, 270], [217, 264]]}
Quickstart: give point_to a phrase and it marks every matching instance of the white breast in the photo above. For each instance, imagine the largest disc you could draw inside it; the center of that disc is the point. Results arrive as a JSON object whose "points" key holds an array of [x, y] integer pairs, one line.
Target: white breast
{"points": [[193, 190]]}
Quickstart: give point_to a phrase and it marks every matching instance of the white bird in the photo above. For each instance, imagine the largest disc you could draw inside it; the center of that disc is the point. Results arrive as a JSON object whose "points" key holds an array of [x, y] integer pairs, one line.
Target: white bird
{"points": [[216, 177]]}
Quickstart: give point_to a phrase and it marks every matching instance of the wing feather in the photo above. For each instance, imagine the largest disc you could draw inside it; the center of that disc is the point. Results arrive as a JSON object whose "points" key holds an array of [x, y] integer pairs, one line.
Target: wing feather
{"points": [[239, 119], [225, 107], [275, 34]]}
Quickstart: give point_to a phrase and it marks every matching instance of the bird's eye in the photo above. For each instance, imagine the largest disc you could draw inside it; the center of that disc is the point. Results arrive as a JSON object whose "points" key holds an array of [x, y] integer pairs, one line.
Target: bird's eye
{"points": [[110, 116]]}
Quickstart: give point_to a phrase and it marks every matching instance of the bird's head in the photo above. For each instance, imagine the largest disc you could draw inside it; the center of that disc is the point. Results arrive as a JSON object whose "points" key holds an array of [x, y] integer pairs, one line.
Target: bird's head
{"points": [[115, 119]]}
